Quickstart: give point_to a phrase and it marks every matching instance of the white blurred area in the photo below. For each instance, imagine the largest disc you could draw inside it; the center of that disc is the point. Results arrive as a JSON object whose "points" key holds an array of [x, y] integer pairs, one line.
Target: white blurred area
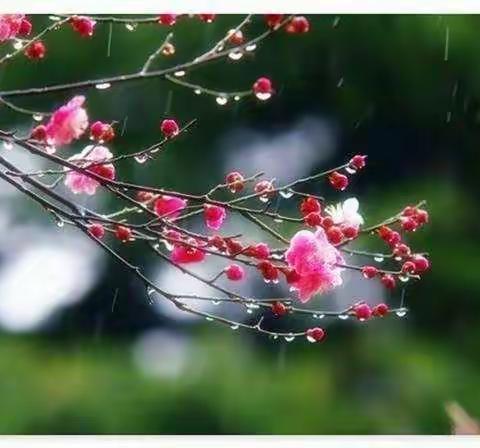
{"points": [[285, 155], [41, 273], [43, 268], [164, 354]]}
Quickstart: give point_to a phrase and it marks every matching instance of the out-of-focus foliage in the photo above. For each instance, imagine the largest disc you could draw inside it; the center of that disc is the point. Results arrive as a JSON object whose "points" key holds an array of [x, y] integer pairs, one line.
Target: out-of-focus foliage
{"points": [[392, 89]]}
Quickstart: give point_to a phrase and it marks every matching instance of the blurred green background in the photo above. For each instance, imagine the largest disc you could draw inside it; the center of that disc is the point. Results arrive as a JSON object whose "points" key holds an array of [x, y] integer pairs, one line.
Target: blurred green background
{"points": [[392, 87]]}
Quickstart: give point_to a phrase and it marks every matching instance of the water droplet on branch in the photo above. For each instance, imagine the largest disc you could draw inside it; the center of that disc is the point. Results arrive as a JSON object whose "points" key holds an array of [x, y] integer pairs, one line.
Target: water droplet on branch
{"points": [[141, 158], [103, 86], [287, 194], [221, 100], [235, 55]]}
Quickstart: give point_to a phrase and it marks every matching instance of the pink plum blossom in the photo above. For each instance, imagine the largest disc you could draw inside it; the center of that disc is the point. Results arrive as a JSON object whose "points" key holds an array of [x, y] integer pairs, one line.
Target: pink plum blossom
{"points": [[10, 25], [315, 261], [67, 123], [214, 216], [169, 206], [182, 254], [78, 182]]}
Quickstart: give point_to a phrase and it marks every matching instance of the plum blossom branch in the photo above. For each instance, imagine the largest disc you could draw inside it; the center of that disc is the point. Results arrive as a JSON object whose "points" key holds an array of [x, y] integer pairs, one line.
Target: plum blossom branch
{"points": [[309, 257]]}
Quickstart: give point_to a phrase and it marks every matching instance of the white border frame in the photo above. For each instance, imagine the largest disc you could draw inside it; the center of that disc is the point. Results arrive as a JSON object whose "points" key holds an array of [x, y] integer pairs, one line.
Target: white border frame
{"points": [[242, 6]]}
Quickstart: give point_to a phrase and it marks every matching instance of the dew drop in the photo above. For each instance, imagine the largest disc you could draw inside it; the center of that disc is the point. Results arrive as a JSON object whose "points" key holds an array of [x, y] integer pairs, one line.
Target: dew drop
{"points": [[249, 311], [235, 326], [276, 256], [141, 158], [287, 194], [343, 316], [279, 220], [210, 319], [236, 98], [289, 338], [197, 91], [179, 73], [221, 100], [54, 18], [311, 339], [18, 44], [402, 312], [251, 47], [404, 278], [216, 302], [168, 245], [350, 170], [37, 117], [263, 96], [378, 258], [7, 145], [130, 27], [275, 336], [103, 86], [235, 55], [150, 291], [263, 199], [60, 223]]}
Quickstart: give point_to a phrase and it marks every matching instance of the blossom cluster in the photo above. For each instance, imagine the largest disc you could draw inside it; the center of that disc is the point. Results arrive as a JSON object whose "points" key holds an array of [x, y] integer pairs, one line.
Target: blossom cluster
{"points": [[309, 258]]}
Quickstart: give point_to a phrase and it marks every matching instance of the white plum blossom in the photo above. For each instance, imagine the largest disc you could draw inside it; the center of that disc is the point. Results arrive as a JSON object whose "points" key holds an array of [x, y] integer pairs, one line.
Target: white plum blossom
{"points": [[346, 213]]}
